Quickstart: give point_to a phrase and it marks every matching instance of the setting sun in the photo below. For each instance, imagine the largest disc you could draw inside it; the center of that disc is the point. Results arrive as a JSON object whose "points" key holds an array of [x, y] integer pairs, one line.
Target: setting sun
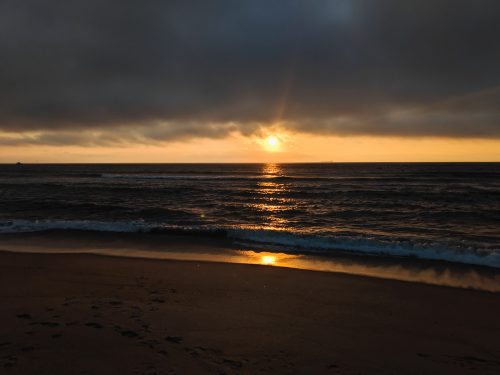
{"points": [[272, 143]]}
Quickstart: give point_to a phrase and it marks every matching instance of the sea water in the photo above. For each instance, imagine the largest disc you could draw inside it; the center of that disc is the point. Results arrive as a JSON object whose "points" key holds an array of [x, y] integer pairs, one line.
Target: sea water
{"points": [[438, 211]]}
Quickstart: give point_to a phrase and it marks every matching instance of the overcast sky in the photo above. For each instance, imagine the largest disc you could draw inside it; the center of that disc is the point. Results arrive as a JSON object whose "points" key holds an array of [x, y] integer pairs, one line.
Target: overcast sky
{"points": [[104, 72]]}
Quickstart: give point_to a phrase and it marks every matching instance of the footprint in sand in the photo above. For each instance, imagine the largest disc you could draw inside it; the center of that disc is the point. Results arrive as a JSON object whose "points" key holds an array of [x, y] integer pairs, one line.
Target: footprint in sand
{"points": [[130, 334], [158, 300], [11, 361], [174, 339], [49, 324], [24, 316]]}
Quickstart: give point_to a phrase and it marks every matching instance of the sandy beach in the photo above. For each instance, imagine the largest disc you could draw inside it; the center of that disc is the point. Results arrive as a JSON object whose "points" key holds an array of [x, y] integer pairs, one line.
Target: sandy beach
{"points": [[89, 314]]}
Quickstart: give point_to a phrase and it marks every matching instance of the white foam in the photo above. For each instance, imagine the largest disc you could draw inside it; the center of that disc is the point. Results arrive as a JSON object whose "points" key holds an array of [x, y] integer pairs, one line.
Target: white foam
{"points": [[293, 242], [21, 226], [433, 251]]}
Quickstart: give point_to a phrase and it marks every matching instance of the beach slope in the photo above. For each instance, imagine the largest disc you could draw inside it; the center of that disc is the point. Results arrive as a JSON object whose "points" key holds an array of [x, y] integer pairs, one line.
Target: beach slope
{"points": [[89, 314]]}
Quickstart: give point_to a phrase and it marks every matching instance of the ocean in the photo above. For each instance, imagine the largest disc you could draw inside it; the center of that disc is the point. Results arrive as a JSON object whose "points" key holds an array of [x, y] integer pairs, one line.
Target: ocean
{"points": [[431, 211]]}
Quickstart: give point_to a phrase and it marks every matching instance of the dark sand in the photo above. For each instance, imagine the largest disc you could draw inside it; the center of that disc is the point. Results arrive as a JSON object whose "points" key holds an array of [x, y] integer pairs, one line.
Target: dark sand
{"points": [[89, 314]]}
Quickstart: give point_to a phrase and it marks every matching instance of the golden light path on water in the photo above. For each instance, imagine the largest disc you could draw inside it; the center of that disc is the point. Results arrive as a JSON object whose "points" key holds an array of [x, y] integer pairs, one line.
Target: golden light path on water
{"points": [[270, 199]]}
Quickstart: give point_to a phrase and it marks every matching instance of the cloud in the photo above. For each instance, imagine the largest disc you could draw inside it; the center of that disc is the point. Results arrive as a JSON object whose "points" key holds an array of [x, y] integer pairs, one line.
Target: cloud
{"points": [[86, 72]]}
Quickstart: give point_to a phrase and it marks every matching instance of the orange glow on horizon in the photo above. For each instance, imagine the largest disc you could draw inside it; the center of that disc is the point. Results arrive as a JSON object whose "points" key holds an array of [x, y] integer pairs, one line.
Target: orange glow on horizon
{"points": [[276, 147]]}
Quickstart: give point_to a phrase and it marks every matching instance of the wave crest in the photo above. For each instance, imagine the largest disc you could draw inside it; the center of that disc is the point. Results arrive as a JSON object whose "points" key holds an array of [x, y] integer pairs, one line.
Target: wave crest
{"points": [[285, 241]]}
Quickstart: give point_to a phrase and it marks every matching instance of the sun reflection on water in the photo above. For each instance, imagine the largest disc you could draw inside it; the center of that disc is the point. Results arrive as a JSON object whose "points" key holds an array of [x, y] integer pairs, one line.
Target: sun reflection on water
{"points": [[270, 199], [268, 260], [272, 169]]}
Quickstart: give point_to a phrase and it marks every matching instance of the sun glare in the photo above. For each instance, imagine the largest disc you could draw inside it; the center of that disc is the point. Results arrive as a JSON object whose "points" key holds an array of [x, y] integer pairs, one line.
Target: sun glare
{"points": [[272, 143], [268, 260]]}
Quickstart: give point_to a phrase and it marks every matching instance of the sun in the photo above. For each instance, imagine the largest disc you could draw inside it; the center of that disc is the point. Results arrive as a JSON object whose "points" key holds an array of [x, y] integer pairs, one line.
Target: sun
{"points": [[272, 143]]}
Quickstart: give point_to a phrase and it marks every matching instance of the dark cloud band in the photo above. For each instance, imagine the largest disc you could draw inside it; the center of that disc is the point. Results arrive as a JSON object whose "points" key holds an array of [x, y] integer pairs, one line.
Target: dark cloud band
{"points": [[171, 69]]}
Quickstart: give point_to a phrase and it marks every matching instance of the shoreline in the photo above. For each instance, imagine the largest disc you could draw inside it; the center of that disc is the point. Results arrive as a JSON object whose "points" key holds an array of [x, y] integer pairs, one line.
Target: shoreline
{"points": [[83, 313], [215, 249], [259, 239]]}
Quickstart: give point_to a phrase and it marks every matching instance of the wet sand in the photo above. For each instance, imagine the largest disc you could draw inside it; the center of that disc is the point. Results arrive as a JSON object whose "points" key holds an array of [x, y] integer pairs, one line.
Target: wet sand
{"points": [[224, 250], [90, 314]]}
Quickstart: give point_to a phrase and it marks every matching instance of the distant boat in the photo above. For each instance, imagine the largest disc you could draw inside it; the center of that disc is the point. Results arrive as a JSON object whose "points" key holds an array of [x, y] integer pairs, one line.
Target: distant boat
{"points": [[19, 163]]}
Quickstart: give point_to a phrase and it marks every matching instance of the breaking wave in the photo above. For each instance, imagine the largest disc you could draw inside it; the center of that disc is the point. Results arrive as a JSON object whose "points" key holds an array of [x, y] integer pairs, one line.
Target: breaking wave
{"points": [[282, 240]]}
